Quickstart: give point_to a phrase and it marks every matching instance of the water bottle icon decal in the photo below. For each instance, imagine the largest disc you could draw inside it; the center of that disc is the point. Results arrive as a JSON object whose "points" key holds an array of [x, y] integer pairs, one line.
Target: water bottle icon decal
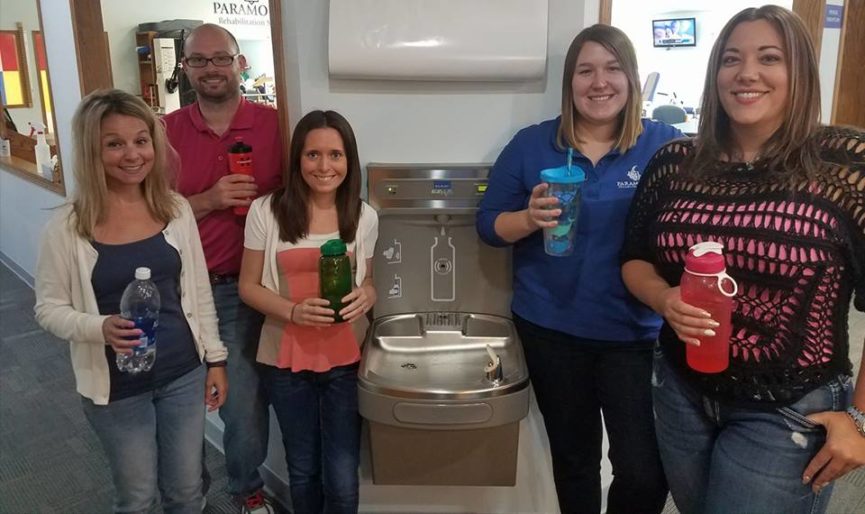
{"points": [[442, 275]]}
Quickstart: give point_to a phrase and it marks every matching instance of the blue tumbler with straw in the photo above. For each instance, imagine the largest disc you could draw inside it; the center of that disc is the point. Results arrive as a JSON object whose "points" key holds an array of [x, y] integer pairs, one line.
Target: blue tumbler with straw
{"points": [[565, 183]]}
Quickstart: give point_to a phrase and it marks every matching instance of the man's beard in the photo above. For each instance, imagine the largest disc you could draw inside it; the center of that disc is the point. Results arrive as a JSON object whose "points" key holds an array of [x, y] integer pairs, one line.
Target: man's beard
{"points": [[228, 92]]}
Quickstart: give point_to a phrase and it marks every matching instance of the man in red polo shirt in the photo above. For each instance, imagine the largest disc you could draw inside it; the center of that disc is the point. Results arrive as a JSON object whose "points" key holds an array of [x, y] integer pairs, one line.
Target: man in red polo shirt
{"points": [[202, 134]]}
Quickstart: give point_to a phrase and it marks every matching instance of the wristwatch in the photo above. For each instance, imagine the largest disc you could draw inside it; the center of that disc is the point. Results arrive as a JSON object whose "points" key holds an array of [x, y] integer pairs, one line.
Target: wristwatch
{"points": [[858, 418]]}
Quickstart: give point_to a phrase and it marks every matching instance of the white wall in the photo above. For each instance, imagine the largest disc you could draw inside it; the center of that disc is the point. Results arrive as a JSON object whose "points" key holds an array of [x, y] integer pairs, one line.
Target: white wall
{"points": [[421, 122]]}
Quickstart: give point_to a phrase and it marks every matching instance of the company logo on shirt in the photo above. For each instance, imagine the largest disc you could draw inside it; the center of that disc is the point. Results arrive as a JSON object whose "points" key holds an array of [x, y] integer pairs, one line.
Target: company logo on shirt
{"points": [[634, 174]]}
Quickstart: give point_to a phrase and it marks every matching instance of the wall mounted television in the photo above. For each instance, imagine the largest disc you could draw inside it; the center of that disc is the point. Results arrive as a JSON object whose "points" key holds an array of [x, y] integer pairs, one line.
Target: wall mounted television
{"points": [[674, 32]]}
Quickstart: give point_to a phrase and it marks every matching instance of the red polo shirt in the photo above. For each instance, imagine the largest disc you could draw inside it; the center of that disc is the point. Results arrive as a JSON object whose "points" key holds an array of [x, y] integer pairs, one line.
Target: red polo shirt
{"points": [[203, 161]]}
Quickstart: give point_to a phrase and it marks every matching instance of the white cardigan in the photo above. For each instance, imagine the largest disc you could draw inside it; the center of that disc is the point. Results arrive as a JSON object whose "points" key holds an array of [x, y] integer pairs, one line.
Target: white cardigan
{"points": [[66, 304]]}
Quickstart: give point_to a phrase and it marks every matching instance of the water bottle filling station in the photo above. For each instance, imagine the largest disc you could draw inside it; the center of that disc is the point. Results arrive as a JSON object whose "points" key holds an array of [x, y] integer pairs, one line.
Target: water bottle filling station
{"points": [[443, 380]]}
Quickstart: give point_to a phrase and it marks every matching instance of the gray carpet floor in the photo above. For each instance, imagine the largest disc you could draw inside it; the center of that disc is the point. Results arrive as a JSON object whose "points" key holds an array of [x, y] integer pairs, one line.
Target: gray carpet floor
{"points": [[51, 461]]}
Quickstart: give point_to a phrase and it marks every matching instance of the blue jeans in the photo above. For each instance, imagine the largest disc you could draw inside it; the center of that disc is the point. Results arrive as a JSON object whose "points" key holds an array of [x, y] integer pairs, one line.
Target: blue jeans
{"points": [[722, 460], [575, 380], [153, 440], [317, 413], [244, 413]]}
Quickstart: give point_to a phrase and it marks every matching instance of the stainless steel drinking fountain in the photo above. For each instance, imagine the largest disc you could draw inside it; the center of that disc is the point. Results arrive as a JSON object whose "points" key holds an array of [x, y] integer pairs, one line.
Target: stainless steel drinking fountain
{"points": [[443, 379]]}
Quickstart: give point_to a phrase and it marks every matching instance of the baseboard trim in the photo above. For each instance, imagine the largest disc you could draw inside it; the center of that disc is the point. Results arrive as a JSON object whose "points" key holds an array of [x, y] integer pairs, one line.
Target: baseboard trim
{"points": [[17, 270]]}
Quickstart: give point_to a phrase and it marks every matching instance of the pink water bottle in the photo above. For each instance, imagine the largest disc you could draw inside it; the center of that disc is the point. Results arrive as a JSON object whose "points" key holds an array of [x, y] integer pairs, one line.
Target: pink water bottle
{"points": [[703, 286]]}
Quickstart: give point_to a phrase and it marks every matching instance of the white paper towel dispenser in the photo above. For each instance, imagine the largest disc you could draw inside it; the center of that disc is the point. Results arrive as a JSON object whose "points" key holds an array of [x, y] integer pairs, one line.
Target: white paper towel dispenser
{"points": [[447, 40]]}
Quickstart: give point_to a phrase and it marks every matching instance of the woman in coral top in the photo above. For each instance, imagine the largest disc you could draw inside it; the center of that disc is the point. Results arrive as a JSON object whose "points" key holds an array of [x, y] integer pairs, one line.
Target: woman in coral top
{"points": [[312, 361]]}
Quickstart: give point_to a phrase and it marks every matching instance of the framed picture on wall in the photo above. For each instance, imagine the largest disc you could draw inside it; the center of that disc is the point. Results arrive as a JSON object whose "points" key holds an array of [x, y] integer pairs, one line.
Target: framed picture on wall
{"points": [[14, 82]]}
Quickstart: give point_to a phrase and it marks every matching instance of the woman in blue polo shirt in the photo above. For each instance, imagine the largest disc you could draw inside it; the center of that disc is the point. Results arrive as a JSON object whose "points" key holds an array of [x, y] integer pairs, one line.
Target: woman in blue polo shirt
{"points": [[588, 342]]}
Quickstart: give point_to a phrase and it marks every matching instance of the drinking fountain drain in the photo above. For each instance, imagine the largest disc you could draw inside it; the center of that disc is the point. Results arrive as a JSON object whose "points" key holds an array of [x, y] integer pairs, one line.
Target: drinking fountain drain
{"points": [[409, 365]]}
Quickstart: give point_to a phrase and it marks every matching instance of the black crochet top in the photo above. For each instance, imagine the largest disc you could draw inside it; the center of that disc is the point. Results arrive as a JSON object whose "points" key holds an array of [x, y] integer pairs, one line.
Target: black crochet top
{"points": [[797, 251]]}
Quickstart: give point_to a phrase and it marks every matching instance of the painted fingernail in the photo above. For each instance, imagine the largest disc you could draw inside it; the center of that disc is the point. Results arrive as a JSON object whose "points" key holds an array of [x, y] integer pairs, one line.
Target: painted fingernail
{"points": [[709, 332], [705, 314], [714, 324], [806, 479]]}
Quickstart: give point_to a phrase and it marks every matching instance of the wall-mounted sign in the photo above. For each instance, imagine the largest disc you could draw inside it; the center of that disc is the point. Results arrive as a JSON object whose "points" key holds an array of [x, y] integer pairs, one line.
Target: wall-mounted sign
{"points": [[246, 19], [834, 16]]}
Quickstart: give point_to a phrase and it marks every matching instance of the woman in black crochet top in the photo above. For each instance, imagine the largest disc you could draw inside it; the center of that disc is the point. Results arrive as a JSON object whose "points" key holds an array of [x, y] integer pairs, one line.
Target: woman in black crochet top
{"points": [[786, 198]]}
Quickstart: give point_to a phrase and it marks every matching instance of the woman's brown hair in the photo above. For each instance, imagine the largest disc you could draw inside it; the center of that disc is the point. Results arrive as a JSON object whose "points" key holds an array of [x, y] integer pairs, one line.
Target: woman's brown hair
{"points": [[290, 204], [617, 43], [792, 150]]}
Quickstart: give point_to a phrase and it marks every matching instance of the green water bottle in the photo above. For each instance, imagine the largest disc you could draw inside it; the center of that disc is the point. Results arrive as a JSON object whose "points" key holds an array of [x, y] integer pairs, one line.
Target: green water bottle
{"points": [[334, 275]]}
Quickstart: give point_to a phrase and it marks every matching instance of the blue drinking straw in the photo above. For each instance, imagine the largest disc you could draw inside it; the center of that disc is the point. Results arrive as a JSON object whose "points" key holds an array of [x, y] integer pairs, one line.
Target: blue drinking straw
{"points": [[570, 159]]}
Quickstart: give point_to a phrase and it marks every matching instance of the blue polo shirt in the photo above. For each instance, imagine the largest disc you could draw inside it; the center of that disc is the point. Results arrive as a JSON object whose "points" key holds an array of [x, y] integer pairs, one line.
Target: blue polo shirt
{"points": [[582, 294]]}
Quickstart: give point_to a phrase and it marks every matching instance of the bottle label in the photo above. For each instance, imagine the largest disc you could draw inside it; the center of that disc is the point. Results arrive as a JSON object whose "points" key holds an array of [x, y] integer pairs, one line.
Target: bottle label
{"points": [[240, 163], [148, 333]]}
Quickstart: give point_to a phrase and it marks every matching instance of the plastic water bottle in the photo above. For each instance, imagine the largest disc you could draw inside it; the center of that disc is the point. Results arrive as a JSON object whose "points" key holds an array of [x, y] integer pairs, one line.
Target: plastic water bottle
{"points": [[334, 273], [702, 286], [140, 303]]}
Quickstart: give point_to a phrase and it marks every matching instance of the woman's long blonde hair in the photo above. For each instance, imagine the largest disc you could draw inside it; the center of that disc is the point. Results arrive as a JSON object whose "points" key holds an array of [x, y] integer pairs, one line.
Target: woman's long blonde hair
{"points": [[91, 193]]}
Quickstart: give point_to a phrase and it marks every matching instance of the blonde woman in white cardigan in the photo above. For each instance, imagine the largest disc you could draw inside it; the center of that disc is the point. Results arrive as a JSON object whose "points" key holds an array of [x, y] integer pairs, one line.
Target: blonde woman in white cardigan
{"points": [[124, 215]]}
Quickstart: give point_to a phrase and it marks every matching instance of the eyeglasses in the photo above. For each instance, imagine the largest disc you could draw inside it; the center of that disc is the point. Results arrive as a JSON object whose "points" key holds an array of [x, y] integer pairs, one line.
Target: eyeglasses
{"points": [[201, 62]]}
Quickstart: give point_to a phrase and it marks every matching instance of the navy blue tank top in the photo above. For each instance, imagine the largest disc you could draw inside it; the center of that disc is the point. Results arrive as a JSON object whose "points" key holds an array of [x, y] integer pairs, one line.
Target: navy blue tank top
{"points": [[176, 354]]}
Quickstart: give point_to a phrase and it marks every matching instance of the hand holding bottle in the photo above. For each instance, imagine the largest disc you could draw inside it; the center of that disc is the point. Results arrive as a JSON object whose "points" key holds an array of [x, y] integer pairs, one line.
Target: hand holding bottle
{"points": [[312, 312], [232, 190], [358, 302], [689, 322], [543, 210], [120, 334]]}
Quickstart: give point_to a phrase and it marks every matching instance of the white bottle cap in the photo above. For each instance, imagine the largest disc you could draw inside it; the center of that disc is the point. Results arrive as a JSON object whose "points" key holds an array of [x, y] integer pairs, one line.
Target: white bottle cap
{"points": [[703, 248], [142, 273]]}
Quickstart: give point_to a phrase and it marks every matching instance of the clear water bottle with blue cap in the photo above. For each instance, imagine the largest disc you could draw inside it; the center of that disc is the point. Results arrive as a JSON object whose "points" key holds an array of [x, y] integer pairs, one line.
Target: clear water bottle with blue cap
{"points": [[140, 303], [565, 184]]}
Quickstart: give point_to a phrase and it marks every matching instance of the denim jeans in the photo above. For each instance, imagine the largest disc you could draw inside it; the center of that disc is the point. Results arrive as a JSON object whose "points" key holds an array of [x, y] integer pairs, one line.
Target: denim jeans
{"points": [[153, 440], [574, 381], [317, 413], [721, 460], [244, 413]]}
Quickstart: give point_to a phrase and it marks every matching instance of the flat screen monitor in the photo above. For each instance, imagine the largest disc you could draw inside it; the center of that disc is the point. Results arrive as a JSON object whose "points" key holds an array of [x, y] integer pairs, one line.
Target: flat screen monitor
{"points": [[674, 32]]}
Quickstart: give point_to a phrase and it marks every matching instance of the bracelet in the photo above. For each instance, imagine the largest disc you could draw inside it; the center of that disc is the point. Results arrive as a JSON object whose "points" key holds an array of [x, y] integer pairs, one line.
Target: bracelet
{"points": [[291, 313], [217, 364], [858, 418]]}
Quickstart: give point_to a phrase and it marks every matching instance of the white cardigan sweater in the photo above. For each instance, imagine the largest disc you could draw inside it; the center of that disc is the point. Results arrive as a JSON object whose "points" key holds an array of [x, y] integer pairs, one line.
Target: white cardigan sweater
{"points": [[66, 304]]}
